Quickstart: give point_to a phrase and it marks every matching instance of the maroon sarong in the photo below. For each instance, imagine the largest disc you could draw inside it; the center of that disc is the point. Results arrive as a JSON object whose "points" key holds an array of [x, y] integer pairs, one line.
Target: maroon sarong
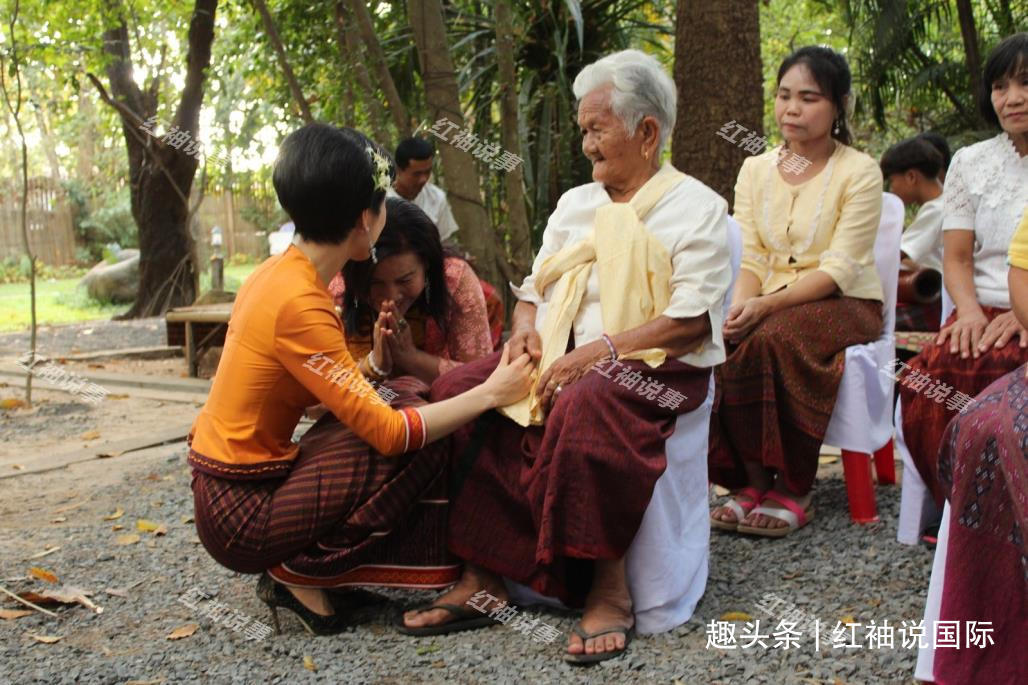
{"points": [[983, 467], [344, 515], [536, 501], [777, 390], [925, 419]]}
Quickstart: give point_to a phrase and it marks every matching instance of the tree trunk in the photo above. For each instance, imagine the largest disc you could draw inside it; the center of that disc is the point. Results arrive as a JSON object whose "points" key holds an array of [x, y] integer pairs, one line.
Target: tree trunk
{"points": [[709, 36], [519, 233], [47, 141], [283, 60], [443, 100], [350, 51], [971, 55], [160, 176], [87, 133], [396, 107], [15, 111]]}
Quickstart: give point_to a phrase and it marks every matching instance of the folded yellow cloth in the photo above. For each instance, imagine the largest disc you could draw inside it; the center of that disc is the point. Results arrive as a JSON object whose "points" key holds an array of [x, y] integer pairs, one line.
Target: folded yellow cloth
{"points": [[634, 272]]}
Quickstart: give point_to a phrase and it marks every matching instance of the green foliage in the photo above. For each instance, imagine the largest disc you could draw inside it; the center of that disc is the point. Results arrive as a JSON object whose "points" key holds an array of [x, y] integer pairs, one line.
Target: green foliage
{"points": [[16, 270], [110, 222]]}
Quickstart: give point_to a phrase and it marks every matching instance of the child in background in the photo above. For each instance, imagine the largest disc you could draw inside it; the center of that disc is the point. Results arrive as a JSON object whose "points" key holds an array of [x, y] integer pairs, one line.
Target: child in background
{"points": [[912, 168]]}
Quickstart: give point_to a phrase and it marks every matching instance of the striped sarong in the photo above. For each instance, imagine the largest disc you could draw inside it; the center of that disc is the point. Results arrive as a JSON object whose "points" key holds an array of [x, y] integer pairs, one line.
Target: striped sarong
{"points": [[343, 516]]}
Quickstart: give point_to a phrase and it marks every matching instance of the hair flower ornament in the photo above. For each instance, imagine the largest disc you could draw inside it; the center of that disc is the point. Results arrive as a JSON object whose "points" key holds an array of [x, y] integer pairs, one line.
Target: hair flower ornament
{"points": [[382, 175]]}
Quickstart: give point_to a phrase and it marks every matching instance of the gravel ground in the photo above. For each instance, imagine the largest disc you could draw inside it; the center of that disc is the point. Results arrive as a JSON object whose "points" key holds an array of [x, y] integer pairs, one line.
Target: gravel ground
{"points": [[87, 337], [830, 569]]}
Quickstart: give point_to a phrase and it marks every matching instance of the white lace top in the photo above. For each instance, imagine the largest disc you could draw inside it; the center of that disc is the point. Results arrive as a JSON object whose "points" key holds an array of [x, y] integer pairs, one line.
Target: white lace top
{"points": [[987, 192]]}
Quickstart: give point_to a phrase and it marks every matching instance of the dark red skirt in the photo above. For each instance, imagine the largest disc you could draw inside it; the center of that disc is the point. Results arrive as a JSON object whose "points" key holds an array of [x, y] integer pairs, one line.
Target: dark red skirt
{"points": [[344, 515], [925, 419], [777, 390], [535, 502], [983, 468]]}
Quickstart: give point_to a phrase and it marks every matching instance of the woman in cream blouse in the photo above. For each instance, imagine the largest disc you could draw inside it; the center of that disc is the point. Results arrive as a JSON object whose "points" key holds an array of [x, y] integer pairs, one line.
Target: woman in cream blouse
{"points": [[808, 289]]}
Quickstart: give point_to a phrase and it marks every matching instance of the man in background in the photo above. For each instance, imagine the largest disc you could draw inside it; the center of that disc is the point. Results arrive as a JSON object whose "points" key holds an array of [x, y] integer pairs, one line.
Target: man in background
{"points": [[413, 170]]}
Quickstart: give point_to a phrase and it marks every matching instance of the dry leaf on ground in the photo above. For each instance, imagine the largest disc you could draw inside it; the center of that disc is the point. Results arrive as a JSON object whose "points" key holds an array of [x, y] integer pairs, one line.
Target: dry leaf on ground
{"points": [[144, 526], [58, 519], [735, 616], [118, 513], [183, 631], [128, 539], [43, 574], [65, 594], [11, 614], [829, 459], [11, 403], [308, 663], [46, 639], [90, 435], [187, 519], [68, 507]]}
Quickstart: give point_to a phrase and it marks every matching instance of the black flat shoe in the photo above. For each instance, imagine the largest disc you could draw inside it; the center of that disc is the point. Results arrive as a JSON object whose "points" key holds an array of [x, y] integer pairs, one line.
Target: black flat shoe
{"points": [[277, 596]]}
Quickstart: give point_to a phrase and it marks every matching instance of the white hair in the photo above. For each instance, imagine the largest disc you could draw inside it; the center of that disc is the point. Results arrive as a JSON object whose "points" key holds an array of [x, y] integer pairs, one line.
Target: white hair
{"points": [[642, 88]]}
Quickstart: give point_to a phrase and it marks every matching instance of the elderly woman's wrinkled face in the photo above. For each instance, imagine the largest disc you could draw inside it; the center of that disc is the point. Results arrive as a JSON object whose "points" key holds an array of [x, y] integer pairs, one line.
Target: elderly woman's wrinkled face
{"points": [[616, 157], [1010, 100], [802, 110]]}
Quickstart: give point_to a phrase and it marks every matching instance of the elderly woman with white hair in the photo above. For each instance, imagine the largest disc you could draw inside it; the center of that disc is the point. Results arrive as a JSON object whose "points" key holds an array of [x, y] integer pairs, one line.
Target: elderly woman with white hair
{"points": [[622, 317]]}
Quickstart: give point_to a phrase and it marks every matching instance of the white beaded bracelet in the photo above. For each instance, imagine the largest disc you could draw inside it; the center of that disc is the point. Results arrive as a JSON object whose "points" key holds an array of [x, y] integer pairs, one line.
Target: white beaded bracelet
{"points": [[374, 367]]}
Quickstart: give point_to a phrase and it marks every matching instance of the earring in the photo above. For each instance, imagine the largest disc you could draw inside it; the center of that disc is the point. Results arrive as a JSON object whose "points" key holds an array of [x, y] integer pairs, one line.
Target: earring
{"points": [[356, 304], [646, 155], [374, 257], [837, 126], [428, 292]]}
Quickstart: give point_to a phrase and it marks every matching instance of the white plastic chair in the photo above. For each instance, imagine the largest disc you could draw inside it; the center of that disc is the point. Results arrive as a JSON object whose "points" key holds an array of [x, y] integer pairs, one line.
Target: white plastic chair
{"points": [[667, 563], [917, 504], [861, 423]]}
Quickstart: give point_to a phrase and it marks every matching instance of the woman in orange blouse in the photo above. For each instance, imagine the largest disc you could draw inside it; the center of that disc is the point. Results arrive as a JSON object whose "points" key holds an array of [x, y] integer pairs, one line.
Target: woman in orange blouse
{"points": [[311, 517]]}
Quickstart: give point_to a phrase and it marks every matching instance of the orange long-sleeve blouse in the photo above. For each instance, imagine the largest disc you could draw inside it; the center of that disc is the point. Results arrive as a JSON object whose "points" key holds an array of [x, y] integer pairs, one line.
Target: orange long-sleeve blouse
{"points": [[285, 351]]}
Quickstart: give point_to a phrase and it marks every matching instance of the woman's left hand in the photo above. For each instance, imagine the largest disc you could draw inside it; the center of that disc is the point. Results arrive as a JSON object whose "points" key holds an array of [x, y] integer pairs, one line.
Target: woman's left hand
{"points": [[1001, 330], [744, 317], [569, 369]]}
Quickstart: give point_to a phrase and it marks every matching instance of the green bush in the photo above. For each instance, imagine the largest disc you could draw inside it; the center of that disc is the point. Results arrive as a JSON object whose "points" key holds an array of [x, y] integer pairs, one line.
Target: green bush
{"points": [[108, 219], [16, 270]]}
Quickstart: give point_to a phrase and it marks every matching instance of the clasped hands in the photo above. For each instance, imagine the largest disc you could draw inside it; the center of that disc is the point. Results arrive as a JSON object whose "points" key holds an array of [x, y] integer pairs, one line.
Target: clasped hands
{"points": [[562, 372], [392, 342]]}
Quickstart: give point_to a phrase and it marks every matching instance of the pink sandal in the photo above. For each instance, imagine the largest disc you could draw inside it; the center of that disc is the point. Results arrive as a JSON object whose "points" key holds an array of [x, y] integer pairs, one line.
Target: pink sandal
{"points": [[740, 509], [794, 515]]}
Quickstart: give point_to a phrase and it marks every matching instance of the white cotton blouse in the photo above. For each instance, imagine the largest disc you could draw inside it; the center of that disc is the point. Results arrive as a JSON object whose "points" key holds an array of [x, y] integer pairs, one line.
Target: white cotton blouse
{"points": [[987, 192], [922, 241], [690, 221]]}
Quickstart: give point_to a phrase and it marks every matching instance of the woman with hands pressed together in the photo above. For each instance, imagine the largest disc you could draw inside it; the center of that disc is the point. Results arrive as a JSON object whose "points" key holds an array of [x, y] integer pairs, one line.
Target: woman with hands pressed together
{"points": [[353, 503], [807, 290], [436, 317]]}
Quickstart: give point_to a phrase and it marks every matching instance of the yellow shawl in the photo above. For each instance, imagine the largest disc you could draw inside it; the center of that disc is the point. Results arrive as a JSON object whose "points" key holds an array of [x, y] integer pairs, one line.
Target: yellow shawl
{"points": [[634, 271]]}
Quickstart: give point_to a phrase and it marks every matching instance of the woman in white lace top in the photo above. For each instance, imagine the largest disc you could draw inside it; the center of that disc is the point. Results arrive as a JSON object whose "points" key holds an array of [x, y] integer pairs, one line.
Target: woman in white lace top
{"points": [[985, 197]]}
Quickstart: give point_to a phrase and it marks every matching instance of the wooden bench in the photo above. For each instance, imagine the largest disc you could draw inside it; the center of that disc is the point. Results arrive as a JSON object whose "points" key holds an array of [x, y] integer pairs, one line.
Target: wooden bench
{"points": [[196, 328]]}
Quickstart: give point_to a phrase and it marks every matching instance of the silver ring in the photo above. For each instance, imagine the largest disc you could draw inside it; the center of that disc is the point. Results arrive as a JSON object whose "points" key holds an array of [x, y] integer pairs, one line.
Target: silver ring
{"points": [[402, 323], [558, 389]]}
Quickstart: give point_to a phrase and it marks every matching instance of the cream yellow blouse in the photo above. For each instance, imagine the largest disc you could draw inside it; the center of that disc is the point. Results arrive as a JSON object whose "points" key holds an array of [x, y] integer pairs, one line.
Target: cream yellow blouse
{"points": [[826, 223]]}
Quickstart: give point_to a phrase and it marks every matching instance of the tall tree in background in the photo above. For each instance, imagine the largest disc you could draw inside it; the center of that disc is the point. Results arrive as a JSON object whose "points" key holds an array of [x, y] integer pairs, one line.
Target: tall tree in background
{"points": [[718, 73], [378, 59], [353, 57], [519, 232], [160, 175], [283, 60], [443, 99], [14, 69]]}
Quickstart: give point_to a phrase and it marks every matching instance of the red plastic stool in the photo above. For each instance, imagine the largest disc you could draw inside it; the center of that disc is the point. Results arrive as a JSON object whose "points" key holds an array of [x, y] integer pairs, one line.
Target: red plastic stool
{"points": [[856, 467]]}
